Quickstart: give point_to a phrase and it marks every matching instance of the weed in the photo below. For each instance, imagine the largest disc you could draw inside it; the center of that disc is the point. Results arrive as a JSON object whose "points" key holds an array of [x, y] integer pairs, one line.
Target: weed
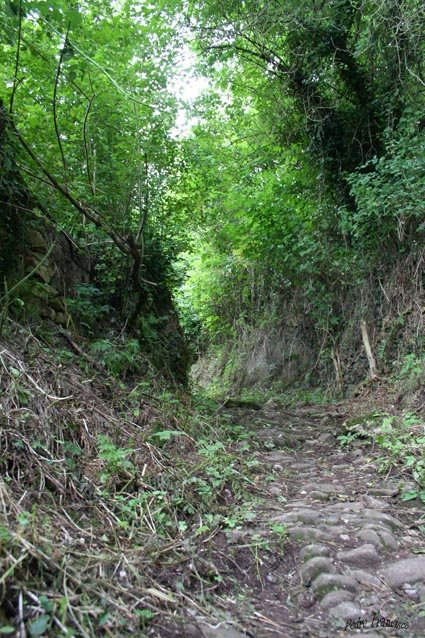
{"points": [[346, 439], [411, 373], [116, 459], [119, 359], [402, 438]]}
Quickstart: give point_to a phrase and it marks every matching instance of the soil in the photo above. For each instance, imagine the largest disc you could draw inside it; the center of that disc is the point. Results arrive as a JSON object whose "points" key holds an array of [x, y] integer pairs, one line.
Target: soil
{"points": [[350, 559]]}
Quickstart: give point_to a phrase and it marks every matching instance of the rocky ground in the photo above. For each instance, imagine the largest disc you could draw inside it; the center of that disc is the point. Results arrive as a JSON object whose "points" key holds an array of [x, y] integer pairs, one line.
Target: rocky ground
{"points": [[353, 561]]}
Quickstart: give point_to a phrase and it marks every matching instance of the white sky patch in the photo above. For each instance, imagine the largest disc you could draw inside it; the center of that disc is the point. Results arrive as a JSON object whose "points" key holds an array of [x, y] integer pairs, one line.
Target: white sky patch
{"points": [[186, 85]]}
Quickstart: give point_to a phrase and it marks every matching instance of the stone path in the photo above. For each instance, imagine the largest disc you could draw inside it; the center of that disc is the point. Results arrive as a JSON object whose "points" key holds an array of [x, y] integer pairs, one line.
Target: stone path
{"points": [[360, 567], [353, 563]]}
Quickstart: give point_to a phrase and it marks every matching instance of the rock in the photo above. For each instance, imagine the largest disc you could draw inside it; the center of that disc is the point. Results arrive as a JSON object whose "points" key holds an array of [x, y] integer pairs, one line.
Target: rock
{"points": [[319, 496], [388, 539], [347, 611], [362, 556], [306, 533], [326, 439], [36, 240], [315, 566], [45, 272], [190, 630], [381, 517], [326, 488], [278, 457], [385, 537], [349, 506], [418, 626], [221, 631], [384, 491], [370, 536], [276, 490], [333, 598], [301, 466], [325, 583], [332, 519], [421, 593], [56, 302], [306, 516], [408, 570], [272, 404], [311, 551], [364, 578], [374, 503]]}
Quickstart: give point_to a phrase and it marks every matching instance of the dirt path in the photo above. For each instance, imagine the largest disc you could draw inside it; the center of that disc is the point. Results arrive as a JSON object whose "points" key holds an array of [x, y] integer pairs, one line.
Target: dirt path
{"points": [[353, 562]]}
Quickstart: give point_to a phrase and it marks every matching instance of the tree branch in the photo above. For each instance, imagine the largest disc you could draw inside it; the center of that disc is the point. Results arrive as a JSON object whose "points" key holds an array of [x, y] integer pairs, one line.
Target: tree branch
{"points": [[86, 145], [16, 82], [55, 92]]}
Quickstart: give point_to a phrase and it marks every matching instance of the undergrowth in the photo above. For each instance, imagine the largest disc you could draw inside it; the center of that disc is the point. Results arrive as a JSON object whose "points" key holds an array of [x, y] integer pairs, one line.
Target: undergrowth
{"points": [[106, 489], [400, 441]]}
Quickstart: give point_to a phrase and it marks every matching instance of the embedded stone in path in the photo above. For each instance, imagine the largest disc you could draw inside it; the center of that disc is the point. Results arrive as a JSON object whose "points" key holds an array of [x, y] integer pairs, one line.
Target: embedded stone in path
{"points": [[306, 533], [326, 439], [221, 632], [388, 539], [307, 516], [364, 578], [348, 506], [330, 582], [301, 466], [315, 566], [319, 496], [370, 536], [408, 570], [313, 550], [278, 457], [347, 611], [333, 598], [326, 488], [362, 556], [385, 537], [374, 503], [384, 491], [380, 517]]}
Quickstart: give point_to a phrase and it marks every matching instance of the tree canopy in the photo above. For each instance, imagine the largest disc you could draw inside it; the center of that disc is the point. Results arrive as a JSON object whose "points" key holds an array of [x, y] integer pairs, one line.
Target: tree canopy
{"points": [[302, 175]]}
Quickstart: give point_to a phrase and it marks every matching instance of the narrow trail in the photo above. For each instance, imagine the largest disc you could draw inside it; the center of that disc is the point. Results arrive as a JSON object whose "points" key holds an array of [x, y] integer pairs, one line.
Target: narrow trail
{"points": [[353, 562]]}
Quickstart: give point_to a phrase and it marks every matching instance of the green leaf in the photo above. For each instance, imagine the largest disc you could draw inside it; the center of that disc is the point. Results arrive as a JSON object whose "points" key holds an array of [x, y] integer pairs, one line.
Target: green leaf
{"points": [[39, 626], [409, 496], [75, 18], [167, 435]]}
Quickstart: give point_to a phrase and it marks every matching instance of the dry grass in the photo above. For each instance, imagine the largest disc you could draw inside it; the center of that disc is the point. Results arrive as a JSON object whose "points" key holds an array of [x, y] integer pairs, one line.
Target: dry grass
{"points": [[82, 538]]}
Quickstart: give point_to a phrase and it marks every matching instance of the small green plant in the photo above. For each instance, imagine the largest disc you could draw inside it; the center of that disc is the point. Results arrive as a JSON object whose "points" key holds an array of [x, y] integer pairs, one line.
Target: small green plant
{"points": [[164, 436], [116, 458], [119, 359], [87, 307], [145, 616], [346, 439], [411, 373]]}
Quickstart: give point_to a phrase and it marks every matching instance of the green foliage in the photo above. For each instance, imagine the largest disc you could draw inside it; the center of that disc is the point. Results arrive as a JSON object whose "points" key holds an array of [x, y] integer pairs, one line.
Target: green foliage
{"points": [[116, 459], [119, 358], [306, 165], [390, 193], [411, 373], [87, 307], [402, 438]]}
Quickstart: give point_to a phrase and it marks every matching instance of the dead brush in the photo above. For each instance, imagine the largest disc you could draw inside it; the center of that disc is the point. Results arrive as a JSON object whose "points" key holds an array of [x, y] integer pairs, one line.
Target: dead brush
{"points": [[70, 564]]}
